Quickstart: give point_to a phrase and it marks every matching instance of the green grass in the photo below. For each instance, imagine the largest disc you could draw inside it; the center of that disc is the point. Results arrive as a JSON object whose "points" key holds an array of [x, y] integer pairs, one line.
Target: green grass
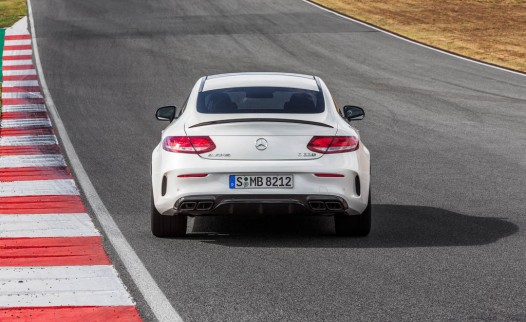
{"points": [[11, 11]]}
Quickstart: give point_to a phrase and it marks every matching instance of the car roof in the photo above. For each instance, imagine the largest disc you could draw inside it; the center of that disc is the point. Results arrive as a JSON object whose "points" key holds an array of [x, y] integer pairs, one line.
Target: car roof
{"points": [[259, 79]]}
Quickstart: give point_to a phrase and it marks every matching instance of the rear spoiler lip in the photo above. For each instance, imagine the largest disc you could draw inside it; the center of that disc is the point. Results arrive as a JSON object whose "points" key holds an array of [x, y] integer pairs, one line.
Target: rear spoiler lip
{"points": [[274, 120]]}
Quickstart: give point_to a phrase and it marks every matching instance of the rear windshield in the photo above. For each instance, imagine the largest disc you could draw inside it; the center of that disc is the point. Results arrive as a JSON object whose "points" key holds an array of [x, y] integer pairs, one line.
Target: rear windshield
{"points": [[260, 100]]}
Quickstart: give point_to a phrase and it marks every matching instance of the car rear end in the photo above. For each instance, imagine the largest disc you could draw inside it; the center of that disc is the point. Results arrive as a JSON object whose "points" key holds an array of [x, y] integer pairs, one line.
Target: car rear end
{"points": [[261, 149]]}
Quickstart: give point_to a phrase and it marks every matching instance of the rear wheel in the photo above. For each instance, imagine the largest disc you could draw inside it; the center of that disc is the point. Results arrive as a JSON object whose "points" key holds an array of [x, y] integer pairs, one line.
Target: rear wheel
{"points": [[357, 226], [167, 226]]}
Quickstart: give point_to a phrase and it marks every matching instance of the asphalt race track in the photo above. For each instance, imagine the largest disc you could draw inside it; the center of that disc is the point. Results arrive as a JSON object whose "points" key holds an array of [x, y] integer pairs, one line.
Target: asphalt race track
{"points": [[447, 139]]}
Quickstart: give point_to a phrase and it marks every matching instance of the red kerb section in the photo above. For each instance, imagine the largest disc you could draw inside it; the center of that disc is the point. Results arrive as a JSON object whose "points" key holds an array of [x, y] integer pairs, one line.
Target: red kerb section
{"points": [[23, 115], [18, 67], [17, 47], [17, 37], [28, 150], [17, 57], [34, 173], [21, 89], [22, 101], [71, 314], [37, 130], [42, 204], [18, 77], [61, 251]]}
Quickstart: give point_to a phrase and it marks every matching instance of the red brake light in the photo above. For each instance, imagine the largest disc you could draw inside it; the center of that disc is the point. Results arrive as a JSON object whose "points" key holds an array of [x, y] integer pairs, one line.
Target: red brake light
{"points": [[329, 175], [188, 144], [333, 144]]}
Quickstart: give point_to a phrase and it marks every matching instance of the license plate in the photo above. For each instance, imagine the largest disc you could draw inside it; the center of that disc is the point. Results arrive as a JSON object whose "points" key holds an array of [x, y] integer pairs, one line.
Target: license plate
{"points": [[261, 182]]}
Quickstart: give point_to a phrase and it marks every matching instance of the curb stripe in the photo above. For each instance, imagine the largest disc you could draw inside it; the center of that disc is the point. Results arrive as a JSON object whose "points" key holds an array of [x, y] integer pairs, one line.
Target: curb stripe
{"points": [[18, 77], [34, 173], [72, 314], [26, 131], [41, 205], [44, 122], [17, 57], [22, 101], [17, 62], [65, 251], [18, 67], [21, 95], [18, 52], [23, 115], [21, 83], [13, 89], [46, 225], [27, 150], [22, 161], [24, 108], [38, 188], [19, 72], [96, 285], [17, 37], [28, 140], [17, 47]]}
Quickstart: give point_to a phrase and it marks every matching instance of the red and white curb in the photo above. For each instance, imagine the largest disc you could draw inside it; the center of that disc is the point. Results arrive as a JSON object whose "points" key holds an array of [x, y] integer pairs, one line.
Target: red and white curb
{"points": [[53, 266]]}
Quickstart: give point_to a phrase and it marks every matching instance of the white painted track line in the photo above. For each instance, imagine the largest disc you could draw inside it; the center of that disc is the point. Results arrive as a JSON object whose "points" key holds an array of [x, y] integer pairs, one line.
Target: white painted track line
{"points": [[46, 225], [18, 161], [16, 62], [21, 95], [96, 285], [38, 188], [24, 108], [153, 295], [27, 140], [44, 122]]}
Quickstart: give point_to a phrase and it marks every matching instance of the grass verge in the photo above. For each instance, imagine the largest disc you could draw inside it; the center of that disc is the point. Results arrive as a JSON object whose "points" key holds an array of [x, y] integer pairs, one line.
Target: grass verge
{"points": [[11, 11], [493, 31]]}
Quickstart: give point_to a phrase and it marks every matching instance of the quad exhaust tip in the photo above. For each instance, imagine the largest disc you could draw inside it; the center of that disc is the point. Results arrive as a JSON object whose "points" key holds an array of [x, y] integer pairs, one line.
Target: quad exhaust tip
{"points": [[203, 205], [323, 205]]}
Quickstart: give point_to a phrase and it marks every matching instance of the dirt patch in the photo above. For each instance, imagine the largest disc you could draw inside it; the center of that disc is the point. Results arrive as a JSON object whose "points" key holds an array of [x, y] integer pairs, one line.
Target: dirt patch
{"points": [[490, 30]]}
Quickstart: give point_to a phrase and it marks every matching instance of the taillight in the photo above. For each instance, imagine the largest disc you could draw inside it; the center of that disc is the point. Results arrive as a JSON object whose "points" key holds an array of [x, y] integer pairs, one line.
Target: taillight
{"points": [[188, 144], [333, 144]]}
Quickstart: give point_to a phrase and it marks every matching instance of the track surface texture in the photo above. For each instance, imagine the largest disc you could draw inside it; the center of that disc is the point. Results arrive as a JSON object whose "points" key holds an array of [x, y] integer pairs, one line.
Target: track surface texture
{"points": [[447, 140]]}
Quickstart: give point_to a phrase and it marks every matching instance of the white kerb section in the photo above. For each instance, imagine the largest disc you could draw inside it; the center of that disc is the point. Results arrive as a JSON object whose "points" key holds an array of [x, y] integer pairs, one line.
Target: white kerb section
{"points": [[26, 52], [38, 188], [17, 42], [25, 122], [16, 62], [24, 108], [21, 95], [46, 225], [19, 72], [96, 285], [19, 83], [19, 161], [32, 140]]}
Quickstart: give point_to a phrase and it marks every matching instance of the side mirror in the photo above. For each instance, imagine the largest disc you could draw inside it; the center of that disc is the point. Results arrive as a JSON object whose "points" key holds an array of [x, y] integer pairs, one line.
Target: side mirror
{"points": [[167, 113], [353, 113]]}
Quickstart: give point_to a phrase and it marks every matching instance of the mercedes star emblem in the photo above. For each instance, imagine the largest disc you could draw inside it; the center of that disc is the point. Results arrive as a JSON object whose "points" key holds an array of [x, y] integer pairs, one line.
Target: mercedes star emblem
{"points": [[261, 144]]}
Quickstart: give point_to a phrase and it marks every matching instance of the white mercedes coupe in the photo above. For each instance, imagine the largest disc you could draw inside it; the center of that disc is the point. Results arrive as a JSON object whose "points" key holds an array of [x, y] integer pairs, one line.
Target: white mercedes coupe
{"points": [[260, 143]]}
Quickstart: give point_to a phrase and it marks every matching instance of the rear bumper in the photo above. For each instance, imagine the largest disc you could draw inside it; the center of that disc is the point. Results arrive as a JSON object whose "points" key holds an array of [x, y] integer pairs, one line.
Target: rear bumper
{"points": [[217, 205]]}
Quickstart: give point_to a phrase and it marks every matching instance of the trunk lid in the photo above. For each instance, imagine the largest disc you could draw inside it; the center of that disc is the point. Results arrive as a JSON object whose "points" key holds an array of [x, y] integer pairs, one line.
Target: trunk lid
{"points": [[261, 138]]}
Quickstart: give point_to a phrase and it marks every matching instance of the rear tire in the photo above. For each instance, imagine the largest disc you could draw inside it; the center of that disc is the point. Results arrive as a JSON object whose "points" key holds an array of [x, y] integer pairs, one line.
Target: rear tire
{"points": [[167, 226], [355, 226]]}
